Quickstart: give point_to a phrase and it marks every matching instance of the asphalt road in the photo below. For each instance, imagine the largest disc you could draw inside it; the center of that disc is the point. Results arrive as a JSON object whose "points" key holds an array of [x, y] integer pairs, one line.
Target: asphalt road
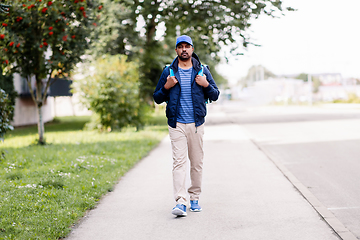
{"points": [[320, 145]]}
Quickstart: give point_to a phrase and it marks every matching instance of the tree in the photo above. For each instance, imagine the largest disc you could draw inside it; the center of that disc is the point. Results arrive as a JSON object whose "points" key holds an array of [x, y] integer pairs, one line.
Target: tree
{"points": [[257, 73], [41, 39], [116, 34], [316, 83], [211, 24], [303, 76], [111, 90]]}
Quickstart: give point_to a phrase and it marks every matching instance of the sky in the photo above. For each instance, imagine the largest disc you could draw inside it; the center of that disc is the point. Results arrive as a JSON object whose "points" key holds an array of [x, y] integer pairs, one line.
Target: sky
{"points": [[322, 36]]}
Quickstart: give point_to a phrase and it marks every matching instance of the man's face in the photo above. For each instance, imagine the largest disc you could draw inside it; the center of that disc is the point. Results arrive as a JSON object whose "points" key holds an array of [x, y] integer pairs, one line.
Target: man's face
{"points": [[184, 51]]}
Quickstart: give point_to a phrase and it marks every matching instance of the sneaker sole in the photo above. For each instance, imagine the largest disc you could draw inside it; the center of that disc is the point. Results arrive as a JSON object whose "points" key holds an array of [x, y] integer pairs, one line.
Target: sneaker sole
{"points": [[195, 210], [178, 212]]}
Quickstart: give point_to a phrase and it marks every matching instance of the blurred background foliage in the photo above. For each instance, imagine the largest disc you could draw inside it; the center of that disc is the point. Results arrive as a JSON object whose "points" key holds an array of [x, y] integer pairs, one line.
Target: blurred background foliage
{"points": [[146, 30], [143, 32]]}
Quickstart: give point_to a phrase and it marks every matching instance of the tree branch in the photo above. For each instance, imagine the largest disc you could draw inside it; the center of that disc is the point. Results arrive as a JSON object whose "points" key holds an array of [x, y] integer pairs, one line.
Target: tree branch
{"points": [[47, 86], [28, 80]]}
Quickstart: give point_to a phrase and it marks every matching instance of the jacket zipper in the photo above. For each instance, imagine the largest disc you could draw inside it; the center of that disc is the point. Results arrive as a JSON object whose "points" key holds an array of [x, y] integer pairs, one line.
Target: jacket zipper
{"points": [[177, 103], [192, 98]]}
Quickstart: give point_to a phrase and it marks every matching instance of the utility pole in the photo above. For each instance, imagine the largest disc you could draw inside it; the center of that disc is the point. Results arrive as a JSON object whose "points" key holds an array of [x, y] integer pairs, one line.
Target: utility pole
{"points": [[310, 89]]}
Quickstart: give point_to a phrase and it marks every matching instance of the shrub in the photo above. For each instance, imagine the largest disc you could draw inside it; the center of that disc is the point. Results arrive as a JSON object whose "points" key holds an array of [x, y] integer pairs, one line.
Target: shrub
{"points": [[6, 113], [111, 91], [6, 110], [7, 84], [352, 98]]}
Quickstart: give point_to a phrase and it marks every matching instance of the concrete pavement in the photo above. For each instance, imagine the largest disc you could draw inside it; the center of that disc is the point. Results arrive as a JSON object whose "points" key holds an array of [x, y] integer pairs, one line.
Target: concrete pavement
{"points": [[245, 196]]}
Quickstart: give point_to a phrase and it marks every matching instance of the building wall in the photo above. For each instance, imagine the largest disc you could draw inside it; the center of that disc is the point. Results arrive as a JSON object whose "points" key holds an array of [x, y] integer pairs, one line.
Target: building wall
{"points": [[68, 106], [25, 111]]}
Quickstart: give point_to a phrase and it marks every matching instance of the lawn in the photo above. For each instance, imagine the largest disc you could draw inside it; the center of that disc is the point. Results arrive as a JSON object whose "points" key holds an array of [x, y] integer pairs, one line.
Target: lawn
{"points": [[44, 190]]}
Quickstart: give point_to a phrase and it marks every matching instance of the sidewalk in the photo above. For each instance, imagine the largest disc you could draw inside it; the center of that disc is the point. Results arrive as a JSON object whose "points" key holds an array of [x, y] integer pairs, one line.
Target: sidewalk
{"points": [[245, 196]]}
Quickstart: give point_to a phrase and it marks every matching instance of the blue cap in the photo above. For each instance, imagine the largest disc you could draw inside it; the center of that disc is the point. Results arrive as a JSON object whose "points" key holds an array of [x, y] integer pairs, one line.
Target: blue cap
{"points": [[184, 38]]}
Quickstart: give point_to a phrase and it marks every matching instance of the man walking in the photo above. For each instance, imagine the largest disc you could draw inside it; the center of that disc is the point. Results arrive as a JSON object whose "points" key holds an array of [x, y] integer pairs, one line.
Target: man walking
{"points": [[186, 86]]}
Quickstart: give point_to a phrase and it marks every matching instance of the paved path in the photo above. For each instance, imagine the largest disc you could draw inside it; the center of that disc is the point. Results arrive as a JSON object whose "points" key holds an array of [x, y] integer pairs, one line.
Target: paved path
{"points": [[245, 196]]}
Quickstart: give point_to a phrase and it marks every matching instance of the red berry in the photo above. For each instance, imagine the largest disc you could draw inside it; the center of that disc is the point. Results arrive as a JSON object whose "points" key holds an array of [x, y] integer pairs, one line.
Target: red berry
{"points": [[11, 44], [18, 45], [4, 24], [2, 36], [50, 28], [64, 38], [51, 33], [44, 10], [7, 61], [49, 3], [45, 43], [100, 7], [81, 8], [24, 5], [76, 1], [73, 36], [41, 46]]}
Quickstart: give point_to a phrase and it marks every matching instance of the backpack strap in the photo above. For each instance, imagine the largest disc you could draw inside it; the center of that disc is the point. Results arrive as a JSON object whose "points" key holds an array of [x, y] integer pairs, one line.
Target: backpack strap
{"points": [[201, 72], [171, 71]]}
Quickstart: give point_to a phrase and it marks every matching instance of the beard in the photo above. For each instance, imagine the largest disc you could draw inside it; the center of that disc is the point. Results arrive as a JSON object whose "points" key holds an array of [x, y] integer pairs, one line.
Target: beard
{"points": [[184, 56]]}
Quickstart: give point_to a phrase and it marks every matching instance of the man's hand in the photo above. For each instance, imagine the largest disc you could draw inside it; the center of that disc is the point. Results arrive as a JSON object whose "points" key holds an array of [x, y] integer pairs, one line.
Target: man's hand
{"points": [[170, 82], [201, 80]]}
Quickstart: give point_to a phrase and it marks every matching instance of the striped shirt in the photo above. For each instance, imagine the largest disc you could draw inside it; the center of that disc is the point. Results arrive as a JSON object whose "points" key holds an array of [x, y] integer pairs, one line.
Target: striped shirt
{"points": [[185, 110]]}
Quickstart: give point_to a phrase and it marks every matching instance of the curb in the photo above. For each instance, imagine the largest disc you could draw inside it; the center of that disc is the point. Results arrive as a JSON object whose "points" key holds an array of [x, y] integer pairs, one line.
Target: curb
{"points": [[328, 216]]}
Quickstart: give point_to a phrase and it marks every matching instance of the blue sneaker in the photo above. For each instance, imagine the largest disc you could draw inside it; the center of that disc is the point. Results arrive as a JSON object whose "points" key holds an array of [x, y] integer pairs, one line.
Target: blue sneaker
{"points": [[195, 207], [179, 210]]}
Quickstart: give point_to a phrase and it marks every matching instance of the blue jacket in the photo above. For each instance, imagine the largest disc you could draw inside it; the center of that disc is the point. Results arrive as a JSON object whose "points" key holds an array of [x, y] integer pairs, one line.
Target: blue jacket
{"points": [[199, 94]]}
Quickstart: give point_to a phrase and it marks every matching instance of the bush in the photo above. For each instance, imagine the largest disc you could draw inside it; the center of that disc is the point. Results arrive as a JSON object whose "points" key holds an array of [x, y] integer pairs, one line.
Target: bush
{"points": [[6, 111], [7, 84], [112, 93], [352, 98]]}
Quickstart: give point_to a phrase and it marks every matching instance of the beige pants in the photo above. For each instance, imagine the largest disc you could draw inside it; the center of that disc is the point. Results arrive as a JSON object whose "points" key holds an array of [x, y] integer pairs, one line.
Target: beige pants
{"points": [[187, 140]]}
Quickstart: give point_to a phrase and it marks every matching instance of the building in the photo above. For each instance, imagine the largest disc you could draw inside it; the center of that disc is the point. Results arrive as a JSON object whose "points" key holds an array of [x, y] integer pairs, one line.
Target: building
{"points": [[60, 102]]}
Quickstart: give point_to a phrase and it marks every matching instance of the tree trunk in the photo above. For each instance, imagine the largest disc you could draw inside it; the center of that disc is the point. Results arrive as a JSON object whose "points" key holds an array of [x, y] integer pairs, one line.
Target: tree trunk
{"points": [[41, 129], [39, 104]]}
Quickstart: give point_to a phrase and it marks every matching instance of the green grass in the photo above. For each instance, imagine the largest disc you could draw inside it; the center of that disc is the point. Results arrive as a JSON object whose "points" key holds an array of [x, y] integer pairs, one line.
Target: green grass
{"points": [[44, 190]]}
